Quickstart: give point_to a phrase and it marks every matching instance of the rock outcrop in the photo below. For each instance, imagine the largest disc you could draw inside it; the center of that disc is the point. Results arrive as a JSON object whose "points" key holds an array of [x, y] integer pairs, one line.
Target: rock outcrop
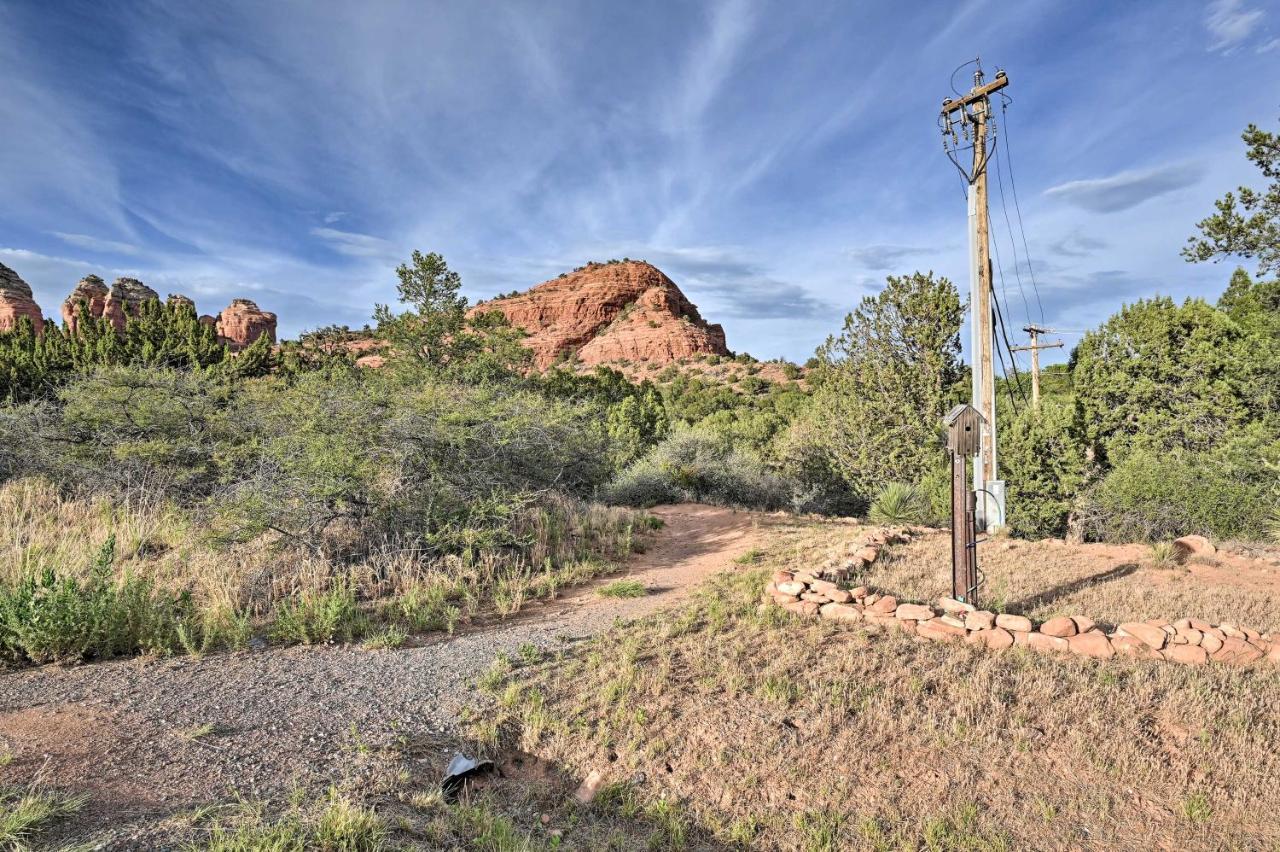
{"points": [[16, 302], [124, 299], [243, 322], [610, 312]]}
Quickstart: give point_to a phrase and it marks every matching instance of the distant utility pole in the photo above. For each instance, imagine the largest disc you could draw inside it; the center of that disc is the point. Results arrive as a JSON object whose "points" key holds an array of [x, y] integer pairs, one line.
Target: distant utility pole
{"points": [[1035, 331], [972, 112]]}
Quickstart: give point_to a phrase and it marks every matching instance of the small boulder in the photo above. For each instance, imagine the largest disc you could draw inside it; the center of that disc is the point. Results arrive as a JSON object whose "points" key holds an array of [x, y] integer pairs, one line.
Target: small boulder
{"points": [[980, 620], [955, 607], [937, 629], [1014, 623], [1192, 655], [791, 588], [1061, 627], [840, 596], [1045, 642], [884, 605], [1194, 545], [915, 612], [998, 638], [1153, 636], [840, 612], [1091, 643]]}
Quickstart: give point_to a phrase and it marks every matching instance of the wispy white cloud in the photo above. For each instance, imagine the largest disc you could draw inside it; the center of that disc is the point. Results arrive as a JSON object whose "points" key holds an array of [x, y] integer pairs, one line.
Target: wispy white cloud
{"points": [[1126, 189], [1230, 23], [353, 244], [85, 241]]}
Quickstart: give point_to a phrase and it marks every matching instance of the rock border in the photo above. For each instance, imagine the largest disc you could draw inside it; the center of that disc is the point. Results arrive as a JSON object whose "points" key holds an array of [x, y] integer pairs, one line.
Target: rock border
{"points": [[819, 594]]}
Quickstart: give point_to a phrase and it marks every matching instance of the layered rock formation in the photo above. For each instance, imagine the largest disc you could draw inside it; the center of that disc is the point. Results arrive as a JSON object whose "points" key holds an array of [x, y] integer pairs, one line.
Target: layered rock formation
{"points": [[239, 325], [602, 313], [243, 322], [16, 302], [124, 299]]}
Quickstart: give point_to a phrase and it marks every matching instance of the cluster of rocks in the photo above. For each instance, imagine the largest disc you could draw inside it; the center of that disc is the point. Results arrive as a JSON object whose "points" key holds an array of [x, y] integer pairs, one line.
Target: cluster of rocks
{"points": [[238, 326], [820, 593]]}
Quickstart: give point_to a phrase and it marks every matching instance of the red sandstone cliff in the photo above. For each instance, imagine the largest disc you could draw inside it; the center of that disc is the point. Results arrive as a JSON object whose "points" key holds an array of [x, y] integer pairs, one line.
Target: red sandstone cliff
{"points": [[242, 322], [16, 302], [612, 312]]}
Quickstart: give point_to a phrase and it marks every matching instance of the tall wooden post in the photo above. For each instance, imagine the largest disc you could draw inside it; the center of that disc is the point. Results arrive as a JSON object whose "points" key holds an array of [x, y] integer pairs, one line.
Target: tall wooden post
{"points": [[974, 112]]}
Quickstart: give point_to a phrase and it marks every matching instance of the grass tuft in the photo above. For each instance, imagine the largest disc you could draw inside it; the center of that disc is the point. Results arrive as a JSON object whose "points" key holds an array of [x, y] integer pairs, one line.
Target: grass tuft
{"points": [[623, 589]]}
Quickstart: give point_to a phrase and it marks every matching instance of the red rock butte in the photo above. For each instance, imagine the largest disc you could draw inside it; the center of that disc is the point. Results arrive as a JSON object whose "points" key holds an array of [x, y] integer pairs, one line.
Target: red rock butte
{"points": [[238, 326], [17, 302], [609, 312]]}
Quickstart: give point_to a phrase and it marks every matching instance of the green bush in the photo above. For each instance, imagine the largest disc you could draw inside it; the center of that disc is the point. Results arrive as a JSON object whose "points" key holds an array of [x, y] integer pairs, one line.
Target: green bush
{"points": [[316, 618], [900, 503], [1154, 496], [694, 466], [1043, 464], [48, 618]]}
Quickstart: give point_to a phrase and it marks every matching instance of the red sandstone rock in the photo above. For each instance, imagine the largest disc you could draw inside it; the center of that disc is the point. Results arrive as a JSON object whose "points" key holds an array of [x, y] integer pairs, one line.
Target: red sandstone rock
{"points": [[805, 608], [1194, 545], [884, 605], [840, 596], [955, 607], [783, 577], [1091, 644], [840, 612], [125, 299], [1210, 642], [1061, 627], [1153, 636], [610, 312], [1014, 623], [243, 322], [16, 302], [1192, 655], [1129, 646], [981, 620], [791, 588], [998, 638], [1083, 625], [936, 628], [1045, 642], [915, 612], [90, 291]]}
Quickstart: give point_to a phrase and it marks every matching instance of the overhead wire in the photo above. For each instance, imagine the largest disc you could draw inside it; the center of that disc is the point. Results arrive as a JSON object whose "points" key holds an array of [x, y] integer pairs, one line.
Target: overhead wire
{"points": [[1004, 206], [1017, 206]]}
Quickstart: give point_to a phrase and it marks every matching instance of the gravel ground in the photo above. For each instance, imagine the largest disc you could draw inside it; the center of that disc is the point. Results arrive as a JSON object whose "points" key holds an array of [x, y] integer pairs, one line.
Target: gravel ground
{"points": [[134, 734]]}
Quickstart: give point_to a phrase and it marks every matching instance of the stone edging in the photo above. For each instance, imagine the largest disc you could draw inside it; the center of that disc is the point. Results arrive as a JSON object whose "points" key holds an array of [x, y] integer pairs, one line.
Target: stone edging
{"points": [[818, 593]]}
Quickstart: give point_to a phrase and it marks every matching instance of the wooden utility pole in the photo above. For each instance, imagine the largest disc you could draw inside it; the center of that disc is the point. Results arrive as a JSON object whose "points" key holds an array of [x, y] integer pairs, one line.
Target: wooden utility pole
{"points": [[973, 113], [1035, 331]]}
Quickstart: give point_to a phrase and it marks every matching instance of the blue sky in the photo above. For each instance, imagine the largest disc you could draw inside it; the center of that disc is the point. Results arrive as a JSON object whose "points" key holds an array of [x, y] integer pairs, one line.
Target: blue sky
{"points": [[776, 159]]}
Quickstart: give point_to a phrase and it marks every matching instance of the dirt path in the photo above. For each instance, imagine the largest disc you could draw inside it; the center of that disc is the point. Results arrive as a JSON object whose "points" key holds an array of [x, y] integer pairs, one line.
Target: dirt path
{"points": [[282, 717]]}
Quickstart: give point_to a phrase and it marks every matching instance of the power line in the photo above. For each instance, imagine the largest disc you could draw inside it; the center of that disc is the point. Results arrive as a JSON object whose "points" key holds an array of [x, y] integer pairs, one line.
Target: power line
{"points": [[1004, 206], [1008, 158]]}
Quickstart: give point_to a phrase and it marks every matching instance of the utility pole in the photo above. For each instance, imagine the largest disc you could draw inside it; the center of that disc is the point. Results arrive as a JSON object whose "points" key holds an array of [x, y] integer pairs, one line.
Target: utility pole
{"points": [[1035, 331], [972, 111]]}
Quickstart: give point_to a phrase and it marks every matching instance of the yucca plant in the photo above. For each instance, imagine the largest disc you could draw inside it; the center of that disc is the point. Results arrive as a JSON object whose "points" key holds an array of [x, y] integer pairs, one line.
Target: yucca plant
{"points": [[1164, 554], [900, 503]]}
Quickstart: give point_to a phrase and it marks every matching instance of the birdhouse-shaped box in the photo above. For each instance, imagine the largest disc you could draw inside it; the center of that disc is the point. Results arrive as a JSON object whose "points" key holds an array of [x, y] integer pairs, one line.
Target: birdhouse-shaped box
{"points": [[964, 429]]}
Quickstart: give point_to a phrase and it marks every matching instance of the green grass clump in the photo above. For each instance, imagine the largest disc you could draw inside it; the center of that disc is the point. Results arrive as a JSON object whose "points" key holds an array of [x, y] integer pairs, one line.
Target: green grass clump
{"points": [[317, 617], [24, 814], [622, 589]]}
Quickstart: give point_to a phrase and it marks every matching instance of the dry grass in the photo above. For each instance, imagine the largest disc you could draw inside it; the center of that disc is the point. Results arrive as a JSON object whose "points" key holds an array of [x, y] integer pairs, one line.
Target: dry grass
{"points": [[1108, 583], [564, 543], [782, 733]]}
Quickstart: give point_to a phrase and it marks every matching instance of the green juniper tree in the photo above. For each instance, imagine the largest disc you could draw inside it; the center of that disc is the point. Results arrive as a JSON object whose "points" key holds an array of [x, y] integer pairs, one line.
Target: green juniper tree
{"points": [[1248, 224]]}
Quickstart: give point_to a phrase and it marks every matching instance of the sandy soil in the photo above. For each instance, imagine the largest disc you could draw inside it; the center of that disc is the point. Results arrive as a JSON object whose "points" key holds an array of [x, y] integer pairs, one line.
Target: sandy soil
{"points": [[134, 734]]}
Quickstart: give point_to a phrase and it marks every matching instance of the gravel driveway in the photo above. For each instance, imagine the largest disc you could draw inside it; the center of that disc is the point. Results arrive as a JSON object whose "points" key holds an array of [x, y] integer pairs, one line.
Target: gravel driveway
{"points": [[122, 731]]}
